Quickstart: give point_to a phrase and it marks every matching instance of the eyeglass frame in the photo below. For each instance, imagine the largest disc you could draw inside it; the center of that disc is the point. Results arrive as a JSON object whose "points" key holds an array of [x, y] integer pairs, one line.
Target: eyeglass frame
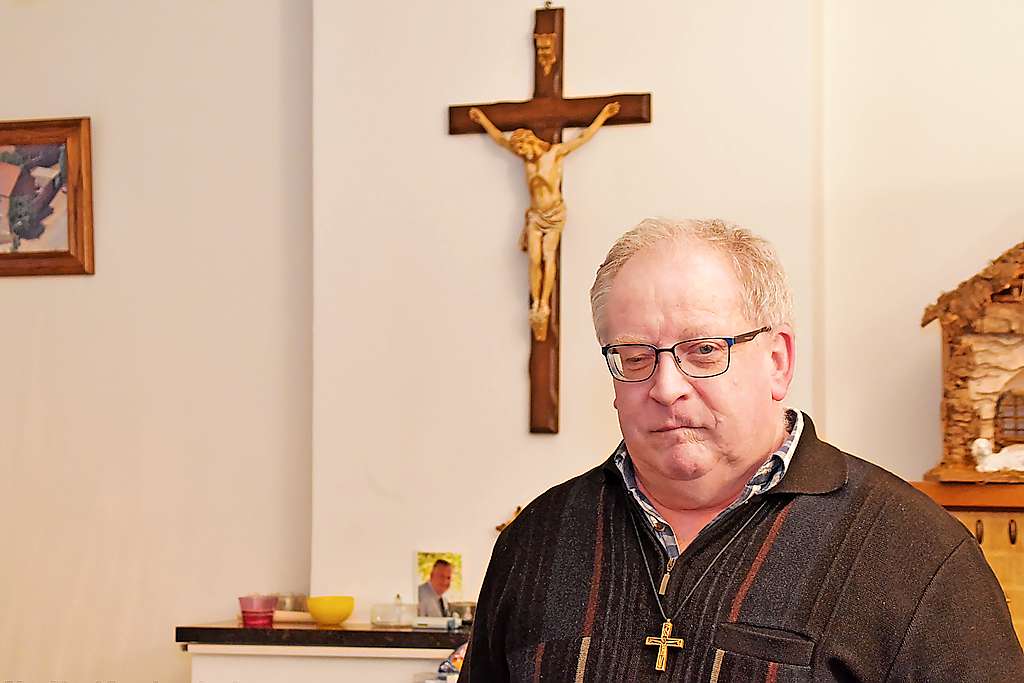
{"points": [[729, 341]]}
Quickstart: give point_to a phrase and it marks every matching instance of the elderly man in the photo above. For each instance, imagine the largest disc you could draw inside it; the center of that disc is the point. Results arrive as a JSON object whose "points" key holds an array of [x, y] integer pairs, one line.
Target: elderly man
{"points": [[722, 540]]}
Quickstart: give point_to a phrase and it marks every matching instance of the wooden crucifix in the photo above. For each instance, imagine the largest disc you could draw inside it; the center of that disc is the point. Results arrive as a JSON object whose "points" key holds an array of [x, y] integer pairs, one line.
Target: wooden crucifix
{"points": [[537, 138]]}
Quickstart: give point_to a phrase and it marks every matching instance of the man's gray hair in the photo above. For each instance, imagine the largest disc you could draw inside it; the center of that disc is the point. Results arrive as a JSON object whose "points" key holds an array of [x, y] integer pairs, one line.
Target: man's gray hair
{"points": [[766, 297]]}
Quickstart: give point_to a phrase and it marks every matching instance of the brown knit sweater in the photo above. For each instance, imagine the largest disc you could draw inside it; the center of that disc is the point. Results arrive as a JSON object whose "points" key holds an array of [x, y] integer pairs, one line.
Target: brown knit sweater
{"points": [[847, 574]]}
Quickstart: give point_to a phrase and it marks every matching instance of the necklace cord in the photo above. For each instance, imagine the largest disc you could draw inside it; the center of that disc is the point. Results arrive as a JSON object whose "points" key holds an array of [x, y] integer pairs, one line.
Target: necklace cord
{"points": [[647, 565], [693, 589]]}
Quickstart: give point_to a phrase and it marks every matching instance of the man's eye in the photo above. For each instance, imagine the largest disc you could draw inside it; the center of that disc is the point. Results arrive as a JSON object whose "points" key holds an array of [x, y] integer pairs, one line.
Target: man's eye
{"points": [[706, 349]]}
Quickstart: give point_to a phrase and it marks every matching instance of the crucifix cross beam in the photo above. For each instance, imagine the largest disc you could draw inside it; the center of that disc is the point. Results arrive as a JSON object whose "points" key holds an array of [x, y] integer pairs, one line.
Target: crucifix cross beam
{"points": [[546, 114]]}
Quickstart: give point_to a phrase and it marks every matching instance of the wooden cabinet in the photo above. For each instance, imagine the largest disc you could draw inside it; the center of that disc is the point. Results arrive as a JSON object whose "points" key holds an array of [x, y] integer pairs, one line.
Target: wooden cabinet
{"points": [[994, 513]]}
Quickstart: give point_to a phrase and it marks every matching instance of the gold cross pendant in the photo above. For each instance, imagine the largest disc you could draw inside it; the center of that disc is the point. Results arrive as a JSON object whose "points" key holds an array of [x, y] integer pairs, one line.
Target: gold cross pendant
{"points": [[664, 643]]}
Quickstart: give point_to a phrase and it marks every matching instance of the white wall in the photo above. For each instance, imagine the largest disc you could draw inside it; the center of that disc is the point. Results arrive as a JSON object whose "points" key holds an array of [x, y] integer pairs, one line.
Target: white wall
{"points": [[923, 186], [415, 247], [155, 447]]}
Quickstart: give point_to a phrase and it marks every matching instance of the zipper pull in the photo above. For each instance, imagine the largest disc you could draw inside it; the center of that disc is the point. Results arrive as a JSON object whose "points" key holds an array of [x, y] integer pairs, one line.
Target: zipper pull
{"points": [[664, 579]]}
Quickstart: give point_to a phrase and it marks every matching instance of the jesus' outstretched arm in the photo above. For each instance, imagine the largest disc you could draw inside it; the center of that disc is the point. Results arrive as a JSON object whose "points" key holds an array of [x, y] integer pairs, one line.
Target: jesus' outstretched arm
{"points": [[477, 116], [583, 138]]}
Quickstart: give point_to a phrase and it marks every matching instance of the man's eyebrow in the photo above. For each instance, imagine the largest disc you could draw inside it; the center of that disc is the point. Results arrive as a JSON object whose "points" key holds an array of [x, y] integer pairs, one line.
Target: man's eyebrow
{"points": [[688, 334], [628, 339]]}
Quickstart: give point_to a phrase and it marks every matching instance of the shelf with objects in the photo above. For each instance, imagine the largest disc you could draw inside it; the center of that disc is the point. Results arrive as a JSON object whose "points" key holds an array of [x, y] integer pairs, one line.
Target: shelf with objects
{"points": [[980, 478], [290, 646]]}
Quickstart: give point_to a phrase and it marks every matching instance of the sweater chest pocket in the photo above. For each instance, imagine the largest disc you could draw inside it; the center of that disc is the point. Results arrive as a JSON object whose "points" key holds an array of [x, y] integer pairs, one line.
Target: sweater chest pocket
{"points": [[744, 652]]}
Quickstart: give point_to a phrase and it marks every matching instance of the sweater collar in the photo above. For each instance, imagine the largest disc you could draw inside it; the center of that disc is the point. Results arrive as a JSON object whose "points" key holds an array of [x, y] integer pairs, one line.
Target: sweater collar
{"points": [[816, 468]]}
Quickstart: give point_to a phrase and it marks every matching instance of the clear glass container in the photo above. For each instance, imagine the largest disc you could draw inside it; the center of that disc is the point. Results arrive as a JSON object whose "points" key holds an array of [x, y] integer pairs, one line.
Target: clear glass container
{"points": [[392, 614]]}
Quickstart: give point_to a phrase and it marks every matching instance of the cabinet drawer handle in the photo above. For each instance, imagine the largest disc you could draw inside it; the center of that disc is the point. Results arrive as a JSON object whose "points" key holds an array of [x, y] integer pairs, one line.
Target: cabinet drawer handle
{"points": [[1013, 532], [979, 531]]}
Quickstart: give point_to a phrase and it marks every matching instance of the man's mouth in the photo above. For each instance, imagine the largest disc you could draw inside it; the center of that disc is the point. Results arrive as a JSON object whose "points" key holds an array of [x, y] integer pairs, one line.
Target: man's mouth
{"points": [[673, 427]]}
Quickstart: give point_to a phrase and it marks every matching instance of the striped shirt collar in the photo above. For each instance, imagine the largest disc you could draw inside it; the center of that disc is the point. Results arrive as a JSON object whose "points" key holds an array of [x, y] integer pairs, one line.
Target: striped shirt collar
{"points": [[766, 478]]}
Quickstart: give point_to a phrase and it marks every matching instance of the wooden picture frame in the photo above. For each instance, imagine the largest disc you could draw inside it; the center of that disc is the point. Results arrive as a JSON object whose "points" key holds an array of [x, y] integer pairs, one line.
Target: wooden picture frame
{"points": [[46, 197]]}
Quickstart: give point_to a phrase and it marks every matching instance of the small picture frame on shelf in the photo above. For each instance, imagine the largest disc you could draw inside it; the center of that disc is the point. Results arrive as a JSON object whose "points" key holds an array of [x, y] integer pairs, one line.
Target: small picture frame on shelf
{"points": [[438, 582]]}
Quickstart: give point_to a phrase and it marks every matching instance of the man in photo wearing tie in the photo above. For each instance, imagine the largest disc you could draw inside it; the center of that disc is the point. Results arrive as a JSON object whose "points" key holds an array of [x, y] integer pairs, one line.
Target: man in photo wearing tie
{"points": [[431, 592]]}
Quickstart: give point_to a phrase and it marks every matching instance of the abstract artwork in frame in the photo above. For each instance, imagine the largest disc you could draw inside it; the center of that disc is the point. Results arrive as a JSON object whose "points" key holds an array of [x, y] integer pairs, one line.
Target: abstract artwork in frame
{"points": [[46, 197]]}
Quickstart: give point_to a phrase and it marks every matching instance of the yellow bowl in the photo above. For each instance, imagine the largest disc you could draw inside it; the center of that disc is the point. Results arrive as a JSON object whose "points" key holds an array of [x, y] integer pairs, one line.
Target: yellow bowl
{"points": [[330, 610]]}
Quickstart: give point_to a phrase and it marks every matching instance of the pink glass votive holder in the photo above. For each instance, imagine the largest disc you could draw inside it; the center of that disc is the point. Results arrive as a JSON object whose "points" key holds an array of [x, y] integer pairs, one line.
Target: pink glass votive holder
{"points": [[258, 619], [258, 610]]}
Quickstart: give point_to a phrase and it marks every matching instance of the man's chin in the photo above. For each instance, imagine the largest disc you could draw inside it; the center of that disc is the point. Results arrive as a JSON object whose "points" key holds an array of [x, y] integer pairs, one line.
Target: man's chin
{"points": [[684, 462]]}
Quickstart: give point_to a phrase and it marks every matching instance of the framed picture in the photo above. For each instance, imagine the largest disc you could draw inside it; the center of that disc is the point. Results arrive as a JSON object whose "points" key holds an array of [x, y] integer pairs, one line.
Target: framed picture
{"points": [[438, 581], [45, 197]]}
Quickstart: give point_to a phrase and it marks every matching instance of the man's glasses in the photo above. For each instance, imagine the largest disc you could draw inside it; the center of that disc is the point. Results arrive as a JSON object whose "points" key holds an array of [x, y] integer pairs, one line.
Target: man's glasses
{"points": [[697, 358]]}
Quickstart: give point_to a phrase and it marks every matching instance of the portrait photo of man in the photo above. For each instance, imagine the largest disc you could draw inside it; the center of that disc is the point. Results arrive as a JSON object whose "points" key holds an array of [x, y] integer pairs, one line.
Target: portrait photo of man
{"points": [[431, 593]]}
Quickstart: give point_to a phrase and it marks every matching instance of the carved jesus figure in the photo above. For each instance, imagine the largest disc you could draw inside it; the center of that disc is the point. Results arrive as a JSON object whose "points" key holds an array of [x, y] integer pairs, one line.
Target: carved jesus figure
{"points": [[545, 218]]}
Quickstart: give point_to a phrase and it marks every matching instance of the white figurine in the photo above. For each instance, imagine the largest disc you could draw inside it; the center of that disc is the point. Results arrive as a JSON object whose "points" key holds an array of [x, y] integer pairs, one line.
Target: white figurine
{"points": [[1009, 458]]}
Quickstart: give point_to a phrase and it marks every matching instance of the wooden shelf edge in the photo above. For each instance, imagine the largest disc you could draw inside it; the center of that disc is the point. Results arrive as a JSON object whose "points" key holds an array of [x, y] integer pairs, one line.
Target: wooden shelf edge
{"points": [[973, 496]]}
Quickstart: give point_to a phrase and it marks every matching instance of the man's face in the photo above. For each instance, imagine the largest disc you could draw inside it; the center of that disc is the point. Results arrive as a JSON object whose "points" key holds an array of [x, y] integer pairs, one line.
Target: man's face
{"points": [[441, 578], [675, 427]]}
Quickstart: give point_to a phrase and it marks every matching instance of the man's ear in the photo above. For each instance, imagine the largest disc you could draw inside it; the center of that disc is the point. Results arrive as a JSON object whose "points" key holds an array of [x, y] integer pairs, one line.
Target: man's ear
{"points": [[782, 360]]}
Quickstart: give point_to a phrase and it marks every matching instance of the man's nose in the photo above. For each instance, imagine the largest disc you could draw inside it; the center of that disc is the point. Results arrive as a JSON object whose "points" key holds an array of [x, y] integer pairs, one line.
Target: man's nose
{"points": [[669, 383]]}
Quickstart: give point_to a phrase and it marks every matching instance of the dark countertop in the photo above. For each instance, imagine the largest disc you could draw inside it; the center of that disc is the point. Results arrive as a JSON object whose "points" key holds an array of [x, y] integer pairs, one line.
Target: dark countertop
{"points": [[346, 635]]}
